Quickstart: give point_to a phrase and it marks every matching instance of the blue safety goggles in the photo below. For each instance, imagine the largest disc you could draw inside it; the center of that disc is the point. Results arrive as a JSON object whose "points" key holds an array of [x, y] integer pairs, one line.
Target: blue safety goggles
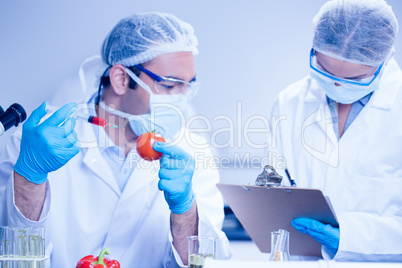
{"points": [[172, 85], [361, 82]]}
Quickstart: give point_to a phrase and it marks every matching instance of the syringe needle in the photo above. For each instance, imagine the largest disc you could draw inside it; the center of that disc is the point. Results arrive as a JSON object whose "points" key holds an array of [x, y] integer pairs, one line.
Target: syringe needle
{"points": [[111, 125]]}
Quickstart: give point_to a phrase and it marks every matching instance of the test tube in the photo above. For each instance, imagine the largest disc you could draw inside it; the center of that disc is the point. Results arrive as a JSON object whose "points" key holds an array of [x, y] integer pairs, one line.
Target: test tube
{"points": [[3, 241], [5, 249], [19, 247], [23, 246], [37, 242]]}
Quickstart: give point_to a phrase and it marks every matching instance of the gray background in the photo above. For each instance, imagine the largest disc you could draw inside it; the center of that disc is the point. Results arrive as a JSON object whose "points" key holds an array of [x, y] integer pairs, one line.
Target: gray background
{"points": [[249, 51]]}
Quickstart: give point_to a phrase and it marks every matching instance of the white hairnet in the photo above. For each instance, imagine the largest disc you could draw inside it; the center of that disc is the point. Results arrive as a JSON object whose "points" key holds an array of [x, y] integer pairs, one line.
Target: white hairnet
{"points": [[144, 36], [356, 31]]}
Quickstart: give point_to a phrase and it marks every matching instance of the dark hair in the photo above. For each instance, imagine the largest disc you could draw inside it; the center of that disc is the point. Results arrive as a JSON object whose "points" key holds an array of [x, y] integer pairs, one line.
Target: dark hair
{"points": [[105, 81]]}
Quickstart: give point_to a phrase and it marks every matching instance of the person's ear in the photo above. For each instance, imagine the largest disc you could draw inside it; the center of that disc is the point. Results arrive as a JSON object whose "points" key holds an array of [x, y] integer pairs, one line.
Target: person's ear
{"points": [[119, 79]]}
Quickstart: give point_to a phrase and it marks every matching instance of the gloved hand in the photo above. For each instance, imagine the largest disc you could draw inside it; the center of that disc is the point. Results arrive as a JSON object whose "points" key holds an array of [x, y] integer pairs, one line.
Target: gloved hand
{"points": [[47, 146], [325, 234], [176, 172]]}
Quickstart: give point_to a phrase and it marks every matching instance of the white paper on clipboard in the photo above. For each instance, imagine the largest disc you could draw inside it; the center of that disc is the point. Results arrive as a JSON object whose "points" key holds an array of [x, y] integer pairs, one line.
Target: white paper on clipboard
{"points": [[262, 210]]}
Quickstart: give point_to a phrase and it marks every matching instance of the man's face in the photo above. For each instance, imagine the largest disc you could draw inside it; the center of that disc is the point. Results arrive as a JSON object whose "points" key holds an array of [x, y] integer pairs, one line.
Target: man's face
{"points": [[342, 69], [179, 65]]}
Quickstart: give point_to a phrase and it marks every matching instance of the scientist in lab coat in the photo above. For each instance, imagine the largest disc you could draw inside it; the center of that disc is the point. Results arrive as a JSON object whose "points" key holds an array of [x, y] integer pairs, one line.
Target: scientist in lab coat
{"points": [[88, 186], [340, 130]]}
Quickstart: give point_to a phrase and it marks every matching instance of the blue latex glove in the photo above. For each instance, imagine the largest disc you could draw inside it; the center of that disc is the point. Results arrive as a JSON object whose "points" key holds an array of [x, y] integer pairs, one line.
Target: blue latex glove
{"points": [[48, 146], [325, 234], [175, 173]]}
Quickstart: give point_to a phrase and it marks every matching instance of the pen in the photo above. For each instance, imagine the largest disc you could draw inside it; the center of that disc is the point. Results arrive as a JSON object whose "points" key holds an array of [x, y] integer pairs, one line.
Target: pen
{"points": [[83, 116], [292, 182]]}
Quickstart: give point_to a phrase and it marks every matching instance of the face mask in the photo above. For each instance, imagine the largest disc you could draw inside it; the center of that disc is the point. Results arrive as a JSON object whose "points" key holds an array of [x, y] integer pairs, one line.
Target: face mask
{"points": [[167, 113], [345, 93]]}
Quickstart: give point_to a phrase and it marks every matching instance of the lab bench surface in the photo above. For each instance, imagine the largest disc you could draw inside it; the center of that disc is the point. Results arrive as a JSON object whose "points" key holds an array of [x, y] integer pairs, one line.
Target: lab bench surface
{"points": [[293, 264]]}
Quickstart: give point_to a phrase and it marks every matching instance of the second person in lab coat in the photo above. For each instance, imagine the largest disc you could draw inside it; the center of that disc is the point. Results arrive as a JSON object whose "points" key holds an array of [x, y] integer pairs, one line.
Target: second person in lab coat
{"points": [[340, 131]]}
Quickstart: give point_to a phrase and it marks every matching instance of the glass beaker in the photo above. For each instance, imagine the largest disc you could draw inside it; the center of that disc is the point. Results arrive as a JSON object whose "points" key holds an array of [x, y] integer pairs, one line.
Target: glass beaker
{"points": [[279, 246], [200, 248]]}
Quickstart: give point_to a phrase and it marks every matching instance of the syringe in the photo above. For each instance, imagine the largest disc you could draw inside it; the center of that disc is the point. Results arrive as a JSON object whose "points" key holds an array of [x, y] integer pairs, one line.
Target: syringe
{"points": [[83, 116]]}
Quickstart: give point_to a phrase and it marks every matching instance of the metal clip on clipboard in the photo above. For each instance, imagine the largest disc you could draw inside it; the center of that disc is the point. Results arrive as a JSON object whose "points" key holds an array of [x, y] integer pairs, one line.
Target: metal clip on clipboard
{"points": [[269, 177]]}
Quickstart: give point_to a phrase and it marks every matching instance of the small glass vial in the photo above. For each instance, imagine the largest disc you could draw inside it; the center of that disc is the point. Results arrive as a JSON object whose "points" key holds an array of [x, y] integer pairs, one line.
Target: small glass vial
{"points": [[279, 246]]}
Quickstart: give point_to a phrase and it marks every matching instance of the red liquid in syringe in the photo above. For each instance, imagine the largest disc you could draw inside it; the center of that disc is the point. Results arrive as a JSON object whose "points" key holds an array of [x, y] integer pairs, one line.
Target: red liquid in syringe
{"points": [[100, 121]]}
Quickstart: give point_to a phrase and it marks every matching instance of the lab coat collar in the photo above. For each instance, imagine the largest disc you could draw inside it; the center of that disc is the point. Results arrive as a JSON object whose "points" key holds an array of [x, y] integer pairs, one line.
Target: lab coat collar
{"points": [[390, 86], [104, 141], [92, 155], [317, 100], [383, 98], [314, 92]]}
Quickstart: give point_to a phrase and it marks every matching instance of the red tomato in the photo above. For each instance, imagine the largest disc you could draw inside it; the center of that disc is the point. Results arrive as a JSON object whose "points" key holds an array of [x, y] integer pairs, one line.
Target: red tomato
{"points": [[144, 145]]}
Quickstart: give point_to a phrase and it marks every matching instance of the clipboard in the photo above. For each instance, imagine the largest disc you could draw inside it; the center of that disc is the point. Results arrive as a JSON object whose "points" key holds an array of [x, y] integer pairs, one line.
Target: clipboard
{"points": [[262, 210]]}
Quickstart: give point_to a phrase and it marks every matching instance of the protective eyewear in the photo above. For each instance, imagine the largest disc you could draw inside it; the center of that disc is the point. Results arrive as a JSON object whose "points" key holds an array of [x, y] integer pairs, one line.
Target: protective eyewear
{"points": [[361, 82], [170, 85]]}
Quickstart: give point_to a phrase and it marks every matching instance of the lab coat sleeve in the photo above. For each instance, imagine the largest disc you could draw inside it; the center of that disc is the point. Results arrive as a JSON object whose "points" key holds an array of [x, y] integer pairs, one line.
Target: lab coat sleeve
{"points": [[8, 157], [210, 206], [367, 237], [10, 214], [15, 217]]}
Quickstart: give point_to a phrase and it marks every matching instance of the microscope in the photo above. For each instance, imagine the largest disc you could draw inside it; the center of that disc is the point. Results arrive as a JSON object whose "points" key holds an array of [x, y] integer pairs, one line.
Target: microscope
{"points": [[14, 115]]}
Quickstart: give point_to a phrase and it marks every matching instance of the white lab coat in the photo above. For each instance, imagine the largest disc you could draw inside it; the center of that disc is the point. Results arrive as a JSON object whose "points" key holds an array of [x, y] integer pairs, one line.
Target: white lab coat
{"points": [[85, 210], [361, 173]]}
